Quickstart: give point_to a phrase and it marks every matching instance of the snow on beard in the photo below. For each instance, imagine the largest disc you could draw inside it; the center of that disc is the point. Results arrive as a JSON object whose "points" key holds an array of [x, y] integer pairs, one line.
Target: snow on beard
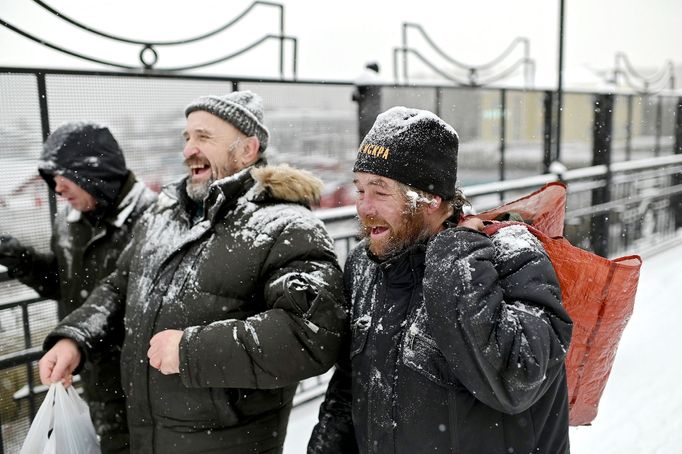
{"points": [[411, 230]]}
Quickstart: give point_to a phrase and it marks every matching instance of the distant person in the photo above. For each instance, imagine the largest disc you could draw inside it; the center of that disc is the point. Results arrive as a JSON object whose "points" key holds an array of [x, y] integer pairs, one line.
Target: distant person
{"points": [[458, 339], [83, 163], [231, 292], [367, 94]]}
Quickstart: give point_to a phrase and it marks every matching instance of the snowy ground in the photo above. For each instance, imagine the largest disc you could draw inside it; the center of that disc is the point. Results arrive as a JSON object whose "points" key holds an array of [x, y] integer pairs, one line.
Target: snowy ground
{"points": [[641, 409]]}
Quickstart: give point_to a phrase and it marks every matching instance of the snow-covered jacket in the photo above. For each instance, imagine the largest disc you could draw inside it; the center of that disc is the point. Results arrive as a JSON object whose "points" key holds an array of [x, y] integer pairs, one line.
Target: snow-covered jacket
{"points": [[82, 254], [256, 288], [457, 346]]}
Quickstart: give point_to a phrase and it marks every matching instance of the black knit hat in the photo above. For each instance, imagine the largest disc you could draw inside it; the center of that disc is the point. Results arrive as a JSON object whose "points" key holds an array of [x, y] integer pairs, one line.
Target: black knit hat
{"points": [[87, 154], [414, 147], [242, 109]]}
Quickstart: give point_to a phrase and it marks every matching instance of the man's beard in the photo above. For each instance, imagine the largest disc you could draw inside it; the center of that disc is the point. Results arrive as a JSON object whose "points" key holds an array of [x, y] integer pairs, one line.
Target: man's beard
{"points": [[197, 192], [412, 230]]}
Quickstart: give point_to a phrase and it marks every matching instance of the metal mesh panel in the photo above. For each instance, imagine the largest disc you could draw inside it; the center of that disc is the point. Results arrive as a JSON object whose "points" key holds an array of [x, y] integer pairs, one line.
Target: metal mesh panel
{"points": [[524, 134], [313, 127], [146, 115], [576, 130], [23, 196]]}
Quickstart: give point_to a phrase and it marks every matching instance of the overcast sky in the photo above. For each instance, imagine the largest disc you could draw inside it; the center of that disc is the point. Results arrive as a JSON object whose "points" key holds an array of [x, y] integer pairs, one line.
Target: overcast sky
{"points": [[336, 38]]}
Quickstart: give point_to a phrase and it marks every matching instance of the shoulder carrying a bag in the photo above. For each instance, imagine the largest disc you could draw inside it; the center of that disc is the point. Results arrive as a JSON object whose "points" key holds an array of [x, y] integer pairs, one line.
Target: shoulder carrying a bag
{"points": [[62, 425], [598, 293]]}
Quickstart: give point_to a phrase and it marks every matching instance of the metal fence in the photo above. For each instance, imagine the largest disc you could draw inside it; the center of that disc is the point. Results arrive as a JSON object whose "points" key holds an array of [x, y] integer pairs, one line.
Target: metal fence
{"points": [[626, 202]]}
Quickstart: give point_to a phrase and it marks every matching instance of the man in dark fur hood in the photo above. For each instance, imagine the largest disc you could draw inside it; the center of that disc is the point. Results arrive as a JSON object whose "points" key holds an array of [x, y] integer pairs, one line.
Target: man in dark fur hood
{"points": [[83, 163], [231, 292]]}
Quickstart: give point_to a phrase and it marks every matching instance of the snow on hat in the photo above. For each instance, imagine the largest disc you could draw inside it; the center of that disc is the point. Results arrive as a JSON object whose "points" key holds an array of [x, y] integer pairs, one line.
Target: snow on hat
{"points": [[414, 147], [87, 154], [242, 109]]}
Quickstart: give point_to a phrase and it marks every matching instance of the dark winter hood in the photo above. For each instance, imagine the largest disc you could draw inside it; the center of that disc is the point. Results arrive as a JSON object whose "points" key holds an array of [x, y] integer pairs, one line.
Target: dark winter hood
{"points": [[88, 155]]}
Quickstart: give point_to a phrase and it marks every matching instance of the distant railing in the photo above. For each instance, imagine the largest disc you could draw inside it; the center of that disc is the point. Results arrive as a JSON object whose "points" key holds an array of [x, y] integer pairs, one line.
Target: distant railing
{"points": [[622, 203]]}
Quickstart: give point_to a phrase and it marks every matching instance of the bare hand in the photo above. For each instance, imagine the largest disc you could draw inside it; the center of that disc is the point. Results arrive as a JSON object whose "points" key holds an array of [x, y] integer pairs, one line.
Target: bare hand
{"points": [[472, 223], [58, 364], [164, 351]]}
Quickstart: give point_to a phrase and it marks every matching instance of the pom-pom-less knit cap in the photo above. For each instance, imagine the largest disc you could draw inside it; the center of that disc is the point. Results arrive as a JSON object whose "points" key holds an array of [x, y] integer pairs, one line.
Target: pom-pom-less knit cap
{"points": [[242, 109], [414, 147]]}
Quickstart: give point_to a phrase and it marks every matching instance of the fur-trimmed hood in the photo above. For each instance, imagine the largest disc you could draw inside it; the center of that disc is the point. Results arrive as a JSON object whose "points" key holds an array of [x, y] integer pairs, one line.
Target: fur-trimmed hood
{"points": [[287, 183]]}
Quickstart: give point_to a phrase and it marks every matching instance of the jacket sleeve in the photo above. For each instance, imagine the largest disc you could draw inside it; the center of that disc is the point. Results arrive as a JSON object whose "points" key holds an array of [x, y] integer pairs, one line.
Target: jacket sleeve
{"points": [[98, 323], [297, 336], [496, 312], [334, 432]]}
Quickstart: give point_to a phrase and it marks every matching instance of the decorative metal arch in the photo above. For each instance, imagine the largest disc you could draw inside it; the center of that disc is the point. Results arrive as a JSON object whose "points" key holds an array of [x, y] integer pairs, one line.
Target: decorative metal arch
{"points": [[663, 79], [148, 54], [474, 72]]}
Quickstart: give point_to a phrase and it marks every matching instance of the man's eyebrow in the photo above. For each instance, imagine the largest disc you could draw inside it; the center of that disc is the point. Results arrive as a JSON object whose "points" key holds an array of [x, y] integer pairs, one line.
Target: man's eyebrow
{"points": [[198, 131], [378, 182]]}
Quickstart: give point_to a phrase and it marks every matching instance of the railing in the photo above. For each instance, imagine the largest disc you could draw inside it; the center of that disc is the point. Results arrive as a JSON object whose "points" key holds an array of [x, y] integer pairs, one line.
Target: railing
{"points": [[617, 206], [642, 216]]}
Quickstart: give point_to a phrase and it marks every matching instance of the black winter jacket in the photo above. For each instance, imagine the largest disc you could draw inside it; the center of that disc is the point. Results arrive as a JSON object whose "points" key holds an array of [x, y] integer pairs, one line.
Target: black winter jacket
{"points": [[81, 255], [457, 346], [256, 288]]}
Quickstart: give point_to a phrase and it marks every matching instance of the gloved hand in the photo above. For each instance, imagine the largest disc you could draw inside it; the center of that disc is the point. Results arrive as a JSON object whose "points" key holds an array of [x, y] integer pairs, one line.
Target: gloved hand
{"points": [[13, 255]]}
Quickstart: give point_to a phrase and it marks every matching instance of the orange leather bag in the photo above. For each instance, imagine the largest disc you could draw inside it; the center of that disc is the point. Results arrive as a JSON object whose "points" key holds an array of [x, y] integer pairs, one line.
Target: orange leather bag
{"points": [[598, 293]]}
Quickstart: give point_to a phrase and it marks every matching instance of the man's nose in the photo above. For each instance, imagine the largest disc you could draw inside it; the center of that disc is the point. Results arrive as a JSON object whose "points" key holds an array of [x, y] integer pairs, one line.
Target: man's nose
{"points": [[58, 186], [189, 150], [365, 206]]}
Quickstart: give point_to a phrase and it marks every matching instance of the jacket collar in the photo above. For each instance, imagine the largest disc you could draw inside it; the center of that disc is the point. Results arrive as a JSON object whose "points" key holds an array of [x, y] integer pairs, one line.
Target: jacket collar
{"points": [[259, 183]]}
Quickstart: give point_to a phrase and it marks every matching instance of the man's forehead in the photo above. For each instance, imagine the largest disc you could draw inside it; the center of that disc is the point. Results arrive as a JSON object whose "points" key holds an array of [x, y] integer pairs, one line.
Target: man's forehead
{"points": [[201, 120], [374, 180]]}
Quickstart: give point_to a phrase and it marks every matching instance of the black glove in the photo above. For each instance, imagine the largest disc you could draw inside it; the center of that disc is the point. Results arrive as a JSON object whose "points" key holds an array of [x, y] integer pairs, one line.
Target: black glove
{"points": [[13, 255]]}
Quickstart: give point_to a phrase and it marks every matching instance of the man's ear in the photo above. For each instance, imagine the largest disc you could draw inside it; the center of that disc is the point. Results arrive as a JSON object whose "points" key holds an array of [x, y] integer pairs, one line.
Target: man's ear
{"points": [[250, 153], [435, 204]]}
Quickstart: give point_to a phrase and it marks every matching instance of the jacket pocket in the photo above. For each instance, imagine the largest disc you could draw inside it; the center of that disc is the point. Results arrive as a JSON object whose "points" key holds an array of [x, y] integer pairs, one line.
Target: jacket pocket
{"points": [[360, 331], [421, 354], [251, 402], [224, 406]]}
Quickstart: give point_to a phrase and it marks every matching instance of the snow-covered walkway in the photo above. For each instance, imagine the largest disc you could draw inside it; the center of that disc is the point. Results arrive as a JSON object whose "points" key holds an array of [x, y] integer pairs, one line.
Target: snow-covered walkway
{"points": [[641, 409]]}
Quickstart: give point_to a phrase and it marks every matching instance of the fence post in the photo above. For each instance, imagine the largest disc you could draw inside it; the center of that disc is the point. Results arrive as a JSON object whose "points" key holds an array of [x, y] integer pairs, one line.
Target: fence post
{"points": [[601, 155], [367, 94], [676, 200], [547, 112]]}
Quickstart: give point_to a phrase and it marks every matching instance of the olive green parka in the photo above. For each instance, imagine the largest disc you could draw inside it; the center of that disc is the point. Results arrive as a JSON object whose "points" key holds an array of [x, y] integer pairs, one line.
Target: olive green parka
{"points": [[253, 283]]}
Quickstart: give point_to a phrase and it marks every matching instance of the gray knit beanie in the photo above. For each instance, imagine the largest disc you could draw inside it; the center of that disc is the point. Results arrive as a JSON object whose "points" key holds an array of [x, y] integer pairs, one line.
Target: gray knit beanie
{"points": [[242, 109]]}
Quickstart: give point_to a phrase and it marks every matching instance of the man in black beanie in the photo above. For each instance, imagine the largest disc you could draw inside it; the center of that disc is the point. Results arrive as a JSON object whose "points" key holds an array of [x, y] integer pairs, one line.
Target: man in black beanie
{"points": [[83, 163], [457, 339], [231, 293]]}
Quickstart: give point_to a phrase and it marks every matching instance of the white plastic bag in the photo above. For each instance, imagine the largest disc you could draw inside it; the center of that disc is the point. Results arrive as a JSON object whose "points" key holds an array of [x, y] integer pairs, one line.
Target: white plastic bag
{"points": [[62, 425]]}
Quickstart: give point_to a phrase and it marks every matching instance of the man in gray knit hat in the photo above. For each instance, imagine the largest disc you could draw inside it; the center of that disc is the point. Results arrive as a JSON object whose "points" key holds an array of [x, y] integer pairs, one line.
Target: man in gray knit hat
{"points": [[231, 293]]}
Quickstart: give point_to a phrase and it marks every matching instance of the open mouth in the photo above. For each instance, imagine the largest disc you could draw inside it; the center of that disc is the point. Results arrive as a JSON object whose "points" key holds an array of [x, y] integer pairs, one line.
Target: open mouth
{"points": [[200, 170], [378, 231]]}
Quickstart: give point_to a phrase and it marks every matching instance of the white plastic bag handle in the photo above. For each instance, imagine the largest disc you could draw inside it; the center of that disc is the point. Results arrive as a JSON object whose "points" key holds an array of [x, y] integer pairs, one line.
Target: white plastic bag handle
{"points": [[62, 425]]}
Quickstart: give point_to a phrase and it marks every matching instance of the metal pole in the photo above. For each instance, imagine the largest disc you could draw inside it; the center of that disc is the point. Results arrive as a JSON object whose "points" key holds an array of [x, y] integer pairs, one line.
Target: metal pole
{"points": [[601, 155], [676, 200], [628, 130], [560, 83], [547, 104], [503, 135], [45, 127], [404, 52]]}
